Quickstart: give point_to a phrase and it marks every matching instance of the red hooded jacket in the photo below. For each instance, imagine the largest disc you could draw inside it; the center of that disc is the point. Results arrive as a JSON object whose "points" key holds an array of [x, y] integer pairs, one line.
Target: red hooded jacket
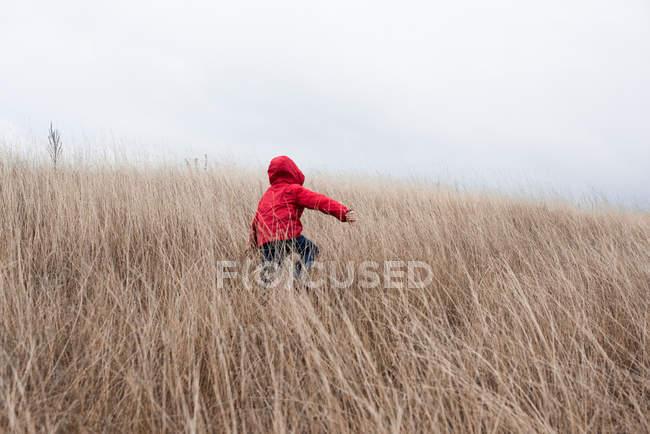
{"points": [[280, 208]]}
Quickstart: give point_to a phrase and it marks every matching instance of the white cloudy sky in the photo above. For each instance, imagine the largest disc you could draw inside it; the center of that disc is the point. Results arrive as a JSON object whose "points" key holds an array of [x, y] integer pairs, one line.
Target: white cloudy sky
{"points": [[550, 94]]}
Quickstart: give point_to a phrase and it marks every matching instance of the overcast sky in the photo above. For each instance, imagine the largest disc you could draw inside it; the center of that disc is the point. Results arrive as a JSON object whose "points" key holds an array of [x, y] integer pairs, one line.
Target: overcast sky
{"points": [[549, 94]]}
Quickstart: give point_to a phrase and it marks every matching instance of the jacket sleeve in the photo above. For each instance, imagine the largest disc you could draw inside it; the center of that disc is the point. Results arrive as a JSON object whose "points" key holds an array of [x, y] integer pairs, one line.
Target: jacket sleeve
{"points": [[252, 238], [312, 200]]}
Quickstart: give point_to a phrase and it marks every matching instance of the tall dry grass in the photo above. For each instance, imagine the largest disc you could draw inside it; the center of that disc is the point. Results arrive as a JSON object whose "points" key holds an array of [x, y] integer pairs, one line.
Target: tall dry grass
{"points": [[110, 317]]}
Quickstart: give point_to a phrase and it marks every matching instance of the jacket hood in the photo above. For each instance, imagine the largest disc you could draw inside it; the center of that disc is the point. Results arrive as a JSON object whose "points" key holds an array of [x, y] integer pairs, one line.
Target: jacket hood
{"points": [[283, 169]]}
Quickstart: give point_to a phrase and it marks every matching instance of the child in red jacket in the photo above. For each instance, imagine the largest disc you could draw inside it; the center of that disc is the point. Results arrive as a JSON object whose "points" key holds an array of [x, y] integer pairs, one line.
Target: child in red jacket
{"points": [[276, 228]]}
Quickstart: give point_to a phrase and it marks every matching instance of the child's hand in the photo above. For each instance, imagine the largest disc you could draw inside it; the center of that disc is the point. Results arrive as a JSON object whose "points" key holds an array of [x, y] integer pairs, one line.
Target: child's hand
{"points": [[351, 217]]}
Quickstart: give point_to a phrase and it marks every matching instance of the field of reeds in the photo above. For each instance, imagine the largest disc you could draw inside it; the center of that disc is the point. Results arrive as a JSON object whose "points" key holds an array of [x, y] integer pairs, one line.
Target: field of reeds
{"points": [[111, 318]]}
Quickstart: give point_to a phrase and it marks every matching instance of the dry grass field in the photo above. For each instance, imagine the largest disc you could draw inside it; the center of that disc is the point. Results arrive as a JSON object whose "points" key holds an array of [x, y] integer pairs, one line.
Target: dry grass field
{"points": [[536, 320]]}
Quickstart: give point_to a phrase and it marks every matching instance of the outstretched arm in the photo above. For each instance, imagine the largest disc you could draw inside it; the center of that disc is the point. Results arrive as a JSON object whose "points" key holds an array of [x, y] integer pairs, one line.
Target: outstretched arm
{"points": [[312, 200]]}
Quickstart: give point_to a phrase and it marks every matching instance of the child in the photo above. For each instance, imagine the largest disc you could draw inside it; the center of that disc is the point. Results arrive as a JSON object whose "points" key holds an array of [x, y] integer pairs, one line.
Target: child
{"points": [[276, 228]]}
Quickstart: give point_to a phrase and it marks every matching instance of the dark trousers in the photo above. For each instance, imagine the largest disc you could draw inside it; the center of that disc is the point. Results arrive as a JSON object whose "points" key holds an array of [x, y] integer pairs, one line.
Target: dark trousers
{"points": [[274, 252]]}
